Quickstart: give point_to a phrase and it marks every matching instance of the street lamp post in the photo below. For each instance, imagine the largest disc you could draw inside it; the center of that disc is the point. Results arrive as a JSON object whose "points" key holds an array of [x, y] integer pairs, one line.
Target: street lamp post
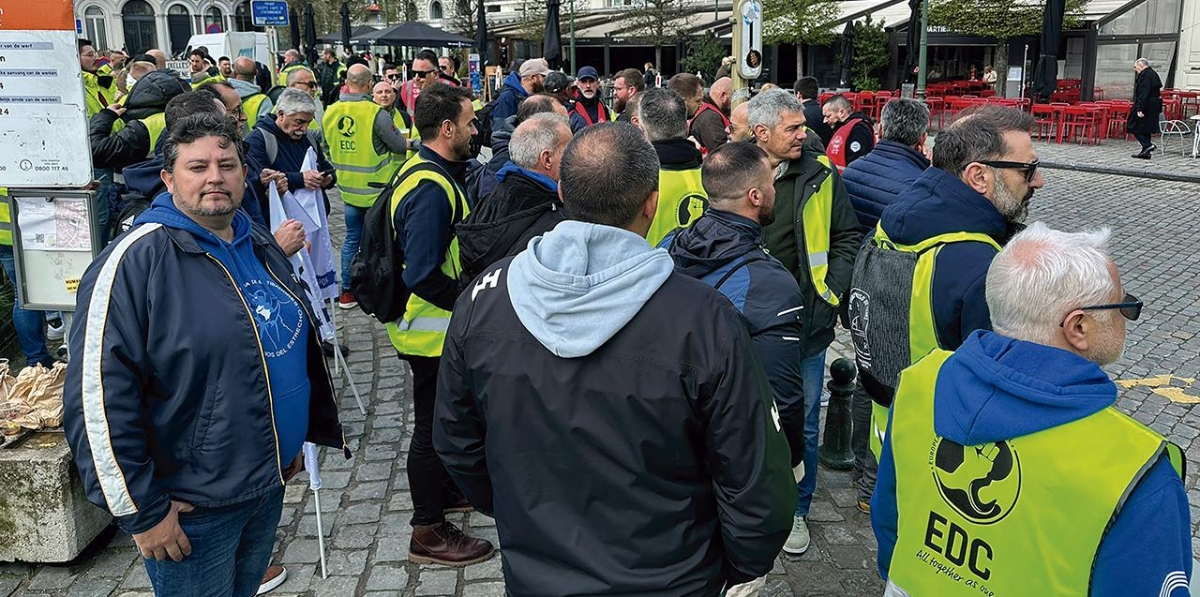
{"points": [[923, 61], [574, 69]]}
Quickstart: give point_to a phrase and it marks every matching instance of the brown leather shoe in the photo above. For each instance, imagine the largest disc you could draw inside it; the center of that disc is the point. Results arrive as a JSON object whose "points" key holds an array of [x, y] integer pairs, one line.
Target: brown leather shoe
{"points": [[446, 545], [274, 577], [462, 505]]}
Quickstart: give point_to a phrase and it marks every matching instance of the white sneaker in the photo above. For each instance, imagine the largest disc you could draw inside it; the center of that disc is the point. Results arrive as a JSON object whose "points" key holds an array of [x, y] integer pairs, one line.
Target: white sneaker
{"points": [[56, 332], [797, 542]]}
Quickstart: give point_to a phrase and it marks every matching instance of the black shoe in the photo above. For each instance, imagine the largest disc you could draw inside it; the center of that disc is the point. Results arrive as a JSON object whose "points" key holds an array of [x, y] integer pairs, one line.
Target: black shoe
{"points": [[327, 348], [1145, 155], [1153, 148]]}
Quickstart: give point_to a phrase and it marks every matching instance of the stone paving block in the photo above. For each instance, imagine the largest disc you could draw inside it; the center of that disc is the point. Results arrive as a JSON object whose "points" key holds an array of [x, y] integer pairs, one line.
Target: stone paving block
{"points": [[301, 551], [54, 577], [299, 579], [437, 582], [331, 500], [374, 491], [100, 587], [336, 586], [484, 589], [485, 570], [387, 578], [135, 594], [346, 563], [8, 585], [308, 524], [335, 479], [113, 563], [479, 519], [822, 511], [393, 548], [849, 557], [361, 513], [838, 534], [776, 588], [136, 578], [379, 453], [375, 471], [844, 498], [358, 536], [401, 501]]}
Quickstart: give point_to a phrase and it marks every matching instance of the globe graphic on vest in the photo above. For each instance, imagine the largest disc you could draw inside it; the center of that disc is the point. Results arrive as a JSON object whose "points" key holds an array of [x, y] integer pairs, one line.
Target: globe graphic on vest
{"points": [[982, 483], [345, 126]]}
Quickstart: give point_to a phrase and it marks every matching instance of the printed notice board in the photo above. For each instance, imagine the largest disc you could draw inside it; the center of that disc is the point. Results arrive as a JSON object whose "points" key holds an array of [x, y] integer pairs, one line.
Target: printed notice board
{"points": [[55, 239], [43, 116]]}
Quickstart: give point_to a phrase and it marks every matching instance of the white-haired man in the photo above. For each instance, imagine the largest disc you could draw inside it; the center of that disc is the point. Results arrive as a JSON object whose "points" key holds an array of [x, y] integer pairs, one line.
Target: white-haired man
{"points": [[1018, 475]]}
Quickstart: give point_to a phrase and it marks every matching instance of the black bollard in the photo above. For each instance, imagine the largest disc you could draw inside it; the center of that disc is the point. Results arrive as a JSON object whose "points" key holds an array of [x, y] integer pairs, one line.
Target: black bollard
{"points": [[835, 452]]}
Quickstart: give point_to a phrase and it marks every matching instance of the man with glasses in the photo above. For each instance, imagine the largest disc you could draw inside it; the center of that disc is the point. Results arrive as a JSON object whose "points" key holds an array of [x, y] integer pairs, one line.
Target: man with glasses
{"points": [[255, 103], [918, 284], [1017, 472], [447, 68], [424, 73]]}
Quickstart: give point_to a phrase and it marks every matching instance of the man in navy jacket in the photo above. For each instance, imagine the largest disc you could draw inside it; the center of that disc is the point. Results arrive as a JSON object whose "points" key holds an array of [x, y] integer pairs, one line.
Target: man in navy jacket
{"points": [[876, 179]]}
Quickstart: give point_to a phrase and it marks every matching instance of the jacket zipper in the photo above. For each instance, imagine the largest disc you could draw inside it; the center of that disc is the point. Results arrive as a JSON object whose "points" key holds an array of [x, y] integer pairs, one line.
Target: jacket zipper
{"points": [[263, 356], [317, 334]]}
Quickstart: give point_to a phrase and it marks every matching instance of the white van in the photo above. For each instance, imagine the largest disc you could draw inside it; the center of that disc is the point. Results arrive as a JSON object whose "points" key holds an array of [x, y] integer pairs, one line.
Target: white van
{"points": [[234, 45]]}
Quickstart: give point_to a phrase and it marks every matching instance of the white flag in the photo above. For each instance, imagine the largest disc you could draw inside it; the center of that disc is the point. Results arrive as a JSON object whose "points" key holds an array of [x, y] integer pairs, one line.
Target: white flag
{"points": [[310, 465], [283, 208], [320, 245]]}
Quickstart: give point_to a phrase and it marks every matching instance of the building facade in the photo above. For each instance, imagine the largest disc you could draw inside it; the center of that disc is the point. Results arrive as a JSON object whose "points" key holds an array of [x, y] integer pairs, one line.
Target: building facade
{"points": [[138, 25]]}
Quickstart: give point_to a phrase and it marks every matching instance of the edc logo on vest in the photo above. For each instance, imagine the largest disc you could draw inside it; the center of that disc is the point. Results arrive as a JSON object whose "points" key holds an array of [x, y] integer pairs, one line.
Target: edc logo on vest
{"points": [[346, 126], [982, 483]]}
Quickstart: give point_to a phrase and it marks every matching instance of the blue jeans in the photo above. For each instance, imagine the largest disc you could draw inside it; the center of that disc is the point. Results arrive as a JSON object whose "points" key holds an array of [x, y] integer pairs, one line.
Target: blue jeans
{"points": [[28, 323], [812, 371], [231, 549], [354, 226]]}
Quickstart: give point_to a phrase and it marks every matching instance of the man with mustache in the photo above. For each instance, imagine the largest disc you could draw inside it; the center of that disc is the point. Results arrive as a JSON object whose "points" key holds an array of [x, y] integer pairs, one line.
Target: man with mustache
{"points": [[935, 241], [815, 236], [588, 103]]}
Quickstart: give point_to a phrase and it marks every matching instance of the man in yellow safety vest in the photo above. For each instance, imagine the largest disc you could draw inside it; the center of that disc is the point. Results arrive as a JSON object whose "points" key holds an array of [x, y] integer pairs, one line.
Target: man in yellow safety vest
{"points": [[1007, 470], [662, 116], [815, 236], [427, 202]]}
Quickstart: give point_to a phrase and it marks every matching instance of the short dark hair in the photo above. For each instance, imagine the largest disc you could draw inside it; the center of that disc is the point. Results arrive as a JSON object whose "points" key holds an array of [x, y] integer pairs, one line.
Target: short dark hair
{"points": [[633, 78], [663, 115], [212, 88], [199, 52], [188, 104], [438, 103], [83, 43], [904, 121], [536, 104], [329, 52], [223, 58], [608, 171], [807, 87], [977, 135], [686, 85], [732, 169], [198, 126], [390, 66], [427, 55], [839, 102]]}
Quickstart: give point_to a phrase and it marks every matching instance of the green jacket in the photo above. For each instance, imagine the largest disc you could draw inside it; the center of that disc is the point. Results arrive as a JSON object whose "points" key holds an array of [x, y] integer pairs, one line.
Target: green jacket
{"points": [[801, 182]]}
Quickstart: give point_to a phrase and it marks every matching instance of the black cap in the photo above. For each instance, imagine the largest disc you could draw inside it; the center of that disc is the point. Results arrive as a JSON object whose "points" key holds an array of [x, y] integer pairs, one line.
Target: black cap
{"points": [[557, 82]]}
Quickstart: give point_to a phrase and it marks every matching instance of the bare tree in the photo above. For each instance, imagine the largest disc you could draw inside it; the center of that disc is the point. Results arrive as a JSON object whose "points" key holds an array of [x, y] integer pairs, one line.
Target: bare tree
{"points": [[799, 22], [660, 22]]}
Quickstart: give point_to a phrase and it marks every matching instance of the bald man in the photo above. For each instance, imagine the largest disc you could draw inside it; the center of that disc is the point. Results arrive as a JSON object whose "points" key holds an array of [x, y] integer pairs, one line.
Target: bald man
{"points": [[160, 58], [291, 61], [739, 123], [255, 103], [710, 125]]}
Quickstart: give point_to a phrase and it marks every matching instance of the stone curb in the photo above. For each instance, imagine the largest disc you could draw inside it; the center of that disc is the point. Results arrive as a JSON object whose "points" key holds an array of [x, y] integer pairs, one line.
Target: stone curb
{"points": [[1113, 170]]}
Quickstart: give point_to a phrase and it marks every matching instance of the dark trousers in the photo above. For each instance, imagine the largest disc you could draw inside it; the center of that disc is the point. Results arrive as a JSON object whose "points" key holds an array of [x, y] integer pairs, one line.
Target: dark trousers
{"points": [[431, 487], [1144, 139], [865, 466]]}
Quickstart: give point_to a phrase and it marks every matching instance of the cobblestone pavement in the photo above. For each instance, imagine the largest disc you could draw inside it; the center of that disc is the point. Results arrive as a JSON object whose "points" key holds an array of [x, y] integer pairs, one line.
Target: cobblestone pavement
{"points": [[366, 504]]}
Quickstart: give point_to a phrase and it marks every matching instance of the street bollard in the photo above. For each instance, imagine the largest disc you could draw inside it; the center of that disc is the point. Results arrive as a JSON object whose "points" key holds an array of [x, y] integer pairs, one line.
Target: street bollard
{"points": [[835, 452]]}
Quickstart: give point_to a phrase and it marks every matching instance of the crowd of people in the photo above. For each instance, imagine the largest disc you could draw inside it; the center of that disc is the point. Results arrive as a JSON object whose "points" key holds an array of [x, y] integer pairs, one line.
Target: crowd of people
{"points": [[617, 326]]}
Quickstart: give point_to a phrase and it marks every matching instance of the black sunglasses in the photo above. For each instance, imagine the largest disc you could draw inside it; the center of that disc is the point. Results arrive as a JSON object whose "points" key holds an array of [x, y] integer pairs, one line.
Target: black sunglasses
{"points": [[422, 73], [1130, 307], [1029, 168]]}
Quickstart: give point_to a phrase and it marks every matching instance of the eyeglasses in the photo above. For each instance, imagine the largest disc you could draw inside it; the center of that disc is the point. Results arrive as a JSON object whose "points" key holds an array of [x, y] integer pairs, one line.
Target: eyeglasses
{"points": [[1030, 168], [88, 55], [1130, 307], [422, 73], [308, 84], [393, 77]]}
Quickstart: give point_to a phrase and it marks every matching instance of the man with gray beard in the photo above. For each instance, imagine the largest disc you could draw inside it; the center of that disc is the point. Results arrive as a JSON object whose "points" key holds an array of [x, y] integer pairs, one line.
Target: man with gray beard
{"points": [[935, 242]]}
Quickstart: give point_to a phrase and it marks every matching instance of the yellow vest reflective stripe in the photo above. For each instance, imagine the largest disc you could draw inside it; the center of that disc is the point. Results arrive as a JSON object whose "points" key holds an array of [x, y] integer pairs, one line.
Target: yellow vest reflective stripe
{"points": [[349, 131], [960, 536], [155, 123], [251, 106], [283, 73], [5, 219], [410, 134], [681, 201], [922, 329], [422, 330]]}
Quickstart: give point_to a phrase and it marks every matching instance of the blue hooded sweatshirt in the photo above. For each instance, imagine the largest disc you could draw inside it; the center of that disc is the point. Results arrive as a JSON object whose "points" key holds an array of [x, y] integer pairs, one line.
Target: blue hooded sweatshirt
{"points": [[940, 203], [509, 100], [996, 388], [280, 322]]}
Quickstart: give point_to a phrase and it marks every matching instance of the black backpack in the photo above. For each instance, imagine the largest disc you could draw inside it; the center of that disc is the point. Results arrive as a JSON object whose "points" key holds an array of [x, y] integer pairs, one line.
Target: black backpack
{"points": [[375, 273], [484, 137]]}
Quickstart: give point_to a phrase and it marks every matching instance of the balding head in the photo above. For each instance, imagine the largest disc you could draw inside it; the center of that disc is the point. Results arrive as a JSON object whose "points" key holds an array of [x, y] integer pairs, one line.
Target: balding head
{"points": [[739, 123], [539, 104], [358, 79], [291, 56], [722, 92], [244, 69], [140, 69], [690, 88], [610, 177], [159, 58]]}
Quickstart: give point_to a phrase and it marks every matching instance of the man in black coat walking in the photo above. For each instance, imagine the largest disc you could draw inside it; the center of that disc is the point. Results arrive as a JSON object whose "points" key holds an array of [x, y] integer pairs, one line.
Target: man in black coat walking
{"points": [[1147, 106]]}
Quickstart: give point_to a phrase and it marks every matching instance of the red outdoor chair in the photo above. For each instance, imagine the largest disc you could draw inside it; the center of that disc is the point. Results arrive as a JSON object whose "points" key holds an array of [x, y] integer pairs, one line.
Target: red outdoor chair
{"points": [[1083, 121], [1047, 119]]}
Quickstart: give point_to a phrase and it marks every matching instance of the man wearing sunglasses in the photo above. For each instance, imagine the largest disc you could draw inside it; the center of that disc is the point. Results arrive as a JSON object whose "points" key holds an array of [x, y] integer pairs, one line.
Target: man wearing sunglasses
{"points": [[1010, 453], [424, 73], [918, 283]]}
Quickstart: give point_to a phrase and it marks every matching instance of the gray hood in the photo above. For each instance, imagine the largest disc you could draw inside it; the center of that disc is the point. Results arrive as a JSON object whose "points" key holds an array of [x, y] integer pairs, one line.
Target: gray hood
{"points": [[578, 285]]}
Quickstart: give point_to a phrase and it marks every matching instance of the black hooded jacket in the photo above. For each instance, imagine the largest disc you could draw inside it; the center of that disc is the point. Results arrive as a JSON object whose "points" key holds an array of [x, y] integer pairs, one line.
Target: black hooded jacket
{"points": [[726, 250], [503, 223], [131, 144]]}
